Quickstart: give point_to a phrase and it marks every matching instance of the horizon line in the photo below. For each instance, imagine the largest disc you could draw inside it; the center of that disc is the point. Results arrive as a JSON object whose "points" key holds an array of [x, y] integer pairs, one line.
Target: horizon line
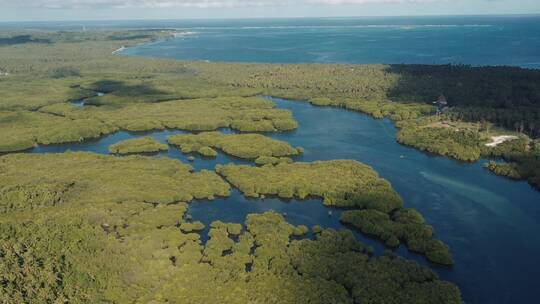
{"points": [[274, 18]]}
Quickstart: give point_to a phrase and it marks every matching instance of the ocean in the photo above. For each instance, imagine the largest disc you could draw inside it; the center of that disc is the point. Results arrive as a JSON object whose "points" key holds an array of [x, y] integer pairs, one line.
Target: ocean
{"points": [[471, 40]]}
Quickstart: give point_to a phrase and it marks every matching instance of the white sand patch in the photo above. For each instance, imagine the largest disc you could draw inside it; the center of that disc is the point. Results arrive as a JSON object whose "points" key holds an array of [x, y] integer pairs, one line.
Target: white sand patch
{"points": [[119, 50], [497, 140]]}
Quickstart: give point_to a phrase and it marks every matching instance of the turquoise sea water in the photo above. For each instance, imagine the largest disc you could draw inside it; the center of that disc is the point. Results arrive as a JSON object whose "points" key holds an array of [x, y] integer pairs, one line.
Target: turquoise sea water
{"points": [[427, 40], [491, 223]]}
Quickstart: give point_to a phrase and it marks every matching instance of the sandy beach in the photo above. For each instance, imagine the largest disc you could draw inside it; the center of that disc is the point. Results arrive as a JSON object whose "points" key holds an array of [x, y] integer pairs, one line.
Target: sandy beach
{"points": [[497, 140]]}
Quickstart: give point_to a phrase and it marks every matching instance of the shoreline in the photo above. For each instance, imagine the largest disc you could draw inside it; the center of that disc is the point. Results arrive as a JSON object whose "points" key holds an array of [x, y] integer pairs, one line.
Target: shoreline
{"points": [[497, 140], [122, 48]]}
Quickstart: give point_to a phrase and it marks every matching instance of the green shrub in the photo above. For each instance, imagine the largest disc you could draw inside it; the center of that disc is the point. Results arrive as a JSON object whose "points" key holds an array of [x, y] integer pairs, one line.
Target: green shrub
{"points": [[508, 170], [300, 230], [405, 225], [138, 145], [249, 146], [338, 183], [63, 72], [191, 227], [207, 152], [462, 145]]}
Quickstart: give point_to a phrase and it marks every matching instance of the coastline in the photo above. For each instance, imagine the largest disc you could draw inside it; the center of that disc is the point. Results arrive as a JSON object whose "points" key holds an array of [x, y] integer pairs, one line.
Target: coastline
{"points": [[122, 48]]}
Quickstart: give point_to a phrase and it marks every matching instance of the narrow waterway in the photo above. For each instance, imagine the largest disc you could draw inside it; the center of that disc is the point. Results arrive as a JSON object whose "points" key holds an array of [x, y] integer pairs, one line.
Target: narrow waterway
{"points": [[490, 222]]}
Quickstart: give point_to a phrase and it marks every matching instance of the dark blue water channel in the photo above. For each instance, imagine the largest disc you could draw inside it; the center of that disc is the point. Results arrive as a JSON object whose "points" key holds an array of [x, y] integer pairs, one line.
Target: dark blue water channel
{"points": [[491, 223]]}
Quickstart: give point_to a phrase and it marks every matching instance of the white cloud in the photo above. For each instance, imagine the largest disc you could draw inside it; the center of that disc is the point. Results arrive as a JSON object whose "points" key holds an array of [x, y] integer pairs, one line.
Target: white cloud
{"points": [[68, 4]]}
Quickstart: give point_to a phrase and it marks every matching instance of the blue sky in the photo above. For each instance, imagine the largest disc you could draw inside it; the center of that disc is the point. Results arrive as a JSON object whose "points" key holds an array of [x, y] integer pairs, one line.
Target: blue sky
{"points": [[40, 10]]}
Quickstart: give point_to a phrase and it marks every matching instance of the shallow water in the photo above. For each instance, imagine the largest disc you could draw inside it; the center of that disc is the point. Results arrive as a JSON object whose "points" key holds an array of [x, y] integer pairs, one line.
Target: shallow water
{"points": [[490, 222]]}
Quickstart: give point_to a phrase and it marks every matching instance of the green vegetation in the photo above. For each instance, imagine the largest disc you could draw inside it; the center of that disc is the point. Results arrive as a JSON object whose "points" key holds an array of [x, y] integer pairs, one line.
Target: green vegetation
{"points": [[517, 118], [207, 152], [91, 247], [75, 65], [231, 228], [21, 39], [462, 144], [467, 142], [64, 72], [336, 256], [63, 122], [379, 108], [145, 144], [522, 157], [340, 183], [29, 93], [506, 96], [191, 227], [22, 130], [500, 96], [316, 229], [346, 184], [32, 181], [300, 230], [505, 88], [243, 114], [47, 69], [249, 146], [508, 148], [523, 166], [270, 160], [404, 224], [78, 227], [509, 170]]}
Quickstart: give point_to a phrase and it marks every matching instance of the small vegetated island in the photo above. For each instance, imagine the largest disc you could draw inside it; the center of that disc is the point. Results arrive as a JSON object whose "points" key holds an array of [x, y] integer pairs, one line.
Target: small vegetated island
{"points": [[145, 144], [248, 146], [83, 227]]}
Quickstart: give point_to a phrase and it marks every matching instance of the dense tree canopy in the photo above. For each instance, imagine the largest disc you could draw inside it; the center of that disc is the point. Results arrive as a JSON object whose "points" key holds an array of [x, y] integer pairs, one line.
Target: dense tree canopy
{"points": [[249, 146], [340, 183], [145, 144], [92, 244], [63, 122], [345, 184], [30, 181]]}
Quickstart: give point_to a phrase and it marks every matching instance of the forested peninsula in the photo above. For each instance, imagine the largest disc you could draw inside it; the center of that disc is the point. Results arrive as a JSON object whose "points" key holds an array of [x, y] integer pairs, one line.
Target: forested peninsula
{"points": [[85, 227]]}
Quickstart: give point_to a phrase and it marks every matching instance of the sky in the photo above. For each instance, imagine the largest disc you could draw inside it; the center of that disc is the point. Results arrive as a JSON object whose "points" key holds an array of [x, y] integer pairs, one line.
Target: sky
{"points": [[45, 10]]}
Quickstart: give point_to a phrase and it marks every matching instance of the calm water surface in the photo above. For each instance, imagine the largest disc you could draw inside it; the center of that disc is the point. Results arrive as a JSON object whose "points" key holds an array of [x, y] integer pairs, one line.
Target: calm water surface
{"points": [[490, 222], [474, 40]]}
